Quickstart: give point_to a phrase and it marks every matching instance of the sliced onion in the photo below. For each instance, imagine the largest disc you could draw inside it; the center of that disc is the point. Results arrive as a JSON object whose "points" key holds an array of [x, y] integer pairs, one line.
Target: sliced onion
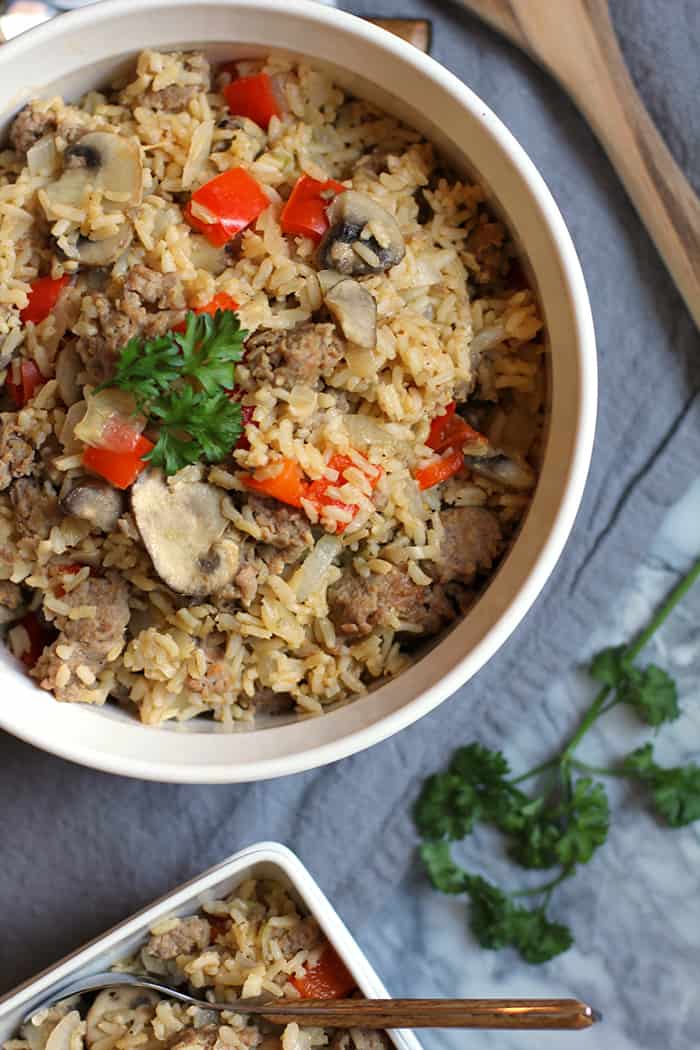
{"points": [[487, 338], [200, 148], [364, 430], [42, 158], [317, 565], [102, 408]]}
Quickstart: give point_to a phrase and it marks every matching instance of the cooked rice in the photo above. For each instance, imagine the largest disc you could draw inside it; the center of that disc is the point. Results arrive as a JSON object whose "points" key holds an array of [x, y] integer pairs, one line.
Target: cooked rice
{"points": [[455, 321], [255, 942]]}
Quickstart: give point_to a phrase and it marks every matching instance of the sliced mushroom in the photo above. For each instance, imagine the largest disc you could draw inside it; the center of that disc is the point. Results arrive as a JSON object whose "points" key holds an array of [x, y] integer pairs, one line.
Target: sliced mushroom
{"points": [[115, 1001], [95, 501], [505, 470], [363, 237], [104, 252], [62, 1036], [354, 309], [228, 125], [105, 161], [68, 366], [182, 527]]}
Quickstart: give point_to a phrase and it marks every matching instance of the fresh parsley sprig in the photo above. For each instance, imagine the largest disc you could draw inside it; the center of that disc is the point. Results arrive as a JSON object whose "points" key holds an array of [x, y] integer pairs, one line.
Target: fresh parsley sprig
{"points": [[182, 382], [568, 821]]}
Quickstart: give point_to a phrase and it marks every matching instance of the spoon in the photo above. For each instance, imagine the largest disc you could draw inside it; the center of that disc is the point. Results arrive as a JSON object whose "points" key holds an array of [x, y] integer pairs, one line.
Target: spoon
{"points": [[575, 41], [365, 1013]]}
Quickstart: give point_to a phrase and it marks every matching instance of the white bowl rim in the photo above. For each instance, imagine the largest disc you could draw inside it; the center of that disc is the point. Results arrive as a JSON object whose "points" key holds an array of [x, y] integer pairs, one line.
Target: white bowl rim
{"points": [[583, 329]]}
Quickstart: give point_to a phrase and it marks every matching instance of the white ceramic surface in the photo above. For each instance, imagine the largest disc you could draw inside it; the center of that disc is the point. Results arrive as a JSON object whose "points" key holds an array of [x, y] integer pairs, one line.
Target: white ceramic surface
{"points": [[263, 860], [76, 51]]}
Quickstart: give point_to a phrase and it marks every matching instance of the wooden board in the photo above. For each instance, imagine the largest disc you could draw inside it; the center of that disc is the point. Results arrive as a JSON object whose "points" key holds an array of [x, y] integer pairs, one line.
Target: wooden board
{"points": [[416, 31]]}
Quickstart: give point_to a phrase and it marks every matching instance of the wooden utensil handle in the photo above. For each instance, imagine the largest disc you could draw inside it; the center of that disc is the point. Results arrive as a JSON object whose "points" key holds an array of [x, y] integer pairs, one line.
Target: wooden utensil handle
{"points": [[436, 1013], [576, 41]]}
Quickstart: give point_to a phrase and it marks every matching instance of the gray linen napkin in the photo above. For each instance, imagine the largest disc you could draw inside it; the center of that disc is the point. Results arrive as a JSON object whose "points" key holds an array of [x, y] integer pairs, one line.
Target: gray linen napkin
{"points": [[81, 850]]}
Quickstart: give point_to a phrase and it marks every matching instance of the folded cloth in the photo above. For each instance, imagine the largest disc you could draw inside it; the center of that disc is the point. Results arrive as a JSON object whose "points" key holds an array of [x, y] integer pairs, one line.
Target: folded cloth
{"points": [[82, 850]]}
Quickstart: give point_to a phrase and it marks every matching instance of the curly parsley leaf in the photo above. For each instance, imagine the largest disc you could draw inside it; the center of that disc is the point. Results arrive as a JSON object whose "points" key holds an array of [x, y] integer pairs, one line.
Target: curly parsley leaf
{"points": [[473, 787], [498, 922], [146, 367], [494, 918], [181, 381], [444, 874], [651, 692], [585, 817], [193, 426], [675, 790], [211, 346], [608, 666]]}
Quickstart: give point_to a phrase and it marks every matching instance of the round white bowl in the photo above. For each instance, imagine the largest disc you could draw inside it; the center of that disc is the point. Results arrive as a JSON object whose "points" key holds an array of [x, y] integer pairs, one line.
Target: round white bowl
{"points": [[77, 51]]}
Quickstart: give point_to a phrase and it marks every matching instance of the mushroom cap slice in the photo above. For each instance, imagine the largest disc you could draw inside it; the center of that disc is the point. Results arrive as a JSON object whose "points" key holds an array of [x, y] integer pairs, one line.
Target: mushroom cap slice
{"points": [[95, 501], [105, 161], [363, 237], [104, 252], [112, 1001], [62, 1036], [506, 470], [182, 527], [354, 310]]}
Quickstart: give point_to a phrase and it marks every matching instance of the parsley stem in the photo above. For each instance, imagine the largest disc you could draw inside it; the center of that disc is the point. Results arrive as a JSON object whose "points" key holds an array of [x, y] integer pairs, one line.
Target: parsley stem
{"points": [[543, 767], [547, 887], [671, 602], [602, 770], [599, 706], [587, 721]]}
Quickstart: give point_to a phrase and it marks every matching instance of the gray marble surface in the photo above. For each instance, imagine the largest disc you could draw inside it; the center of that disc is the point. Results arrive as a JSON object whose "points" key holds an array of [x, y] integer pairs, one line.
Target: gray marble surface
{"points": [[634, 910]]}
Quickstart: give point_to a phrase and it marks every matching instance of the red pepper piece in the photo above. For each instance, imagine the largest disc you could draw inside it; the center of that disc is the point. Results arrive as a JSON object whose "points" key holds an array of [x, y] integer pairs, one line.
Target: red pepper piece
{"points": [[119, 468], [317, 492], [42, 298], [30, 381], [304, 213], [234, 199], [288, 486], [440, 469], [451, 431], [328, 979], [254, 97]]}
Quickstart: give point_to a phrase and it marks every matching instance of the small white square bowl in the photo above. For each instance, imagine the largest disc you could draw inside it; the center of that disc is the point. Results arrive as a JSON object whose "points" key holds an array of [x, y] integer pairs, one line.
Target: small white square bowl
{"points": [[262, 860]]}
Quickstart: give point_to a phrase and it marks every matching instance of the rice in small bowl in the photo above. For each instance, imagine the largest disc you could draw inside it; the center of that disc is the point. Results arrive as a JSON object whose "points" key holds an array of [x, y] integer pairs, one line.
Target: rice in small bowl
{"points": [[458, 332]]}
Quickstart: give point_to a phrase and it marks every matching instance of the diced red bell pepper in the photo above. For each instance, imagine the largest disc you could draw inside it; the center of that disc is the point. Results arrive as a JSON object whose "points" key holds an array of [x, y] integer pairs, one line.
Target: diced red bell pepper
{"points": [[119, 468], [214, 232], [233, 198], [221, 301], [289, 486], [328, 979], [317, 492], [39, 637], [30, 381], [451, 431], [305, 211], [254, 97], [440, 469], [42, 298]]}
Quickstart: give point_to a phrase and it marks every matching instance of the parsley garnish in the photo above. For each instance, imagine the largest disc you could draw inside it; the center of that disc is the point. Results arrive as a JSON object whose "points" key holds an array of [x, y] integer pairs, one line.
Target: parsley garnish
{"points": [[182, 381], [561, 827]]}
